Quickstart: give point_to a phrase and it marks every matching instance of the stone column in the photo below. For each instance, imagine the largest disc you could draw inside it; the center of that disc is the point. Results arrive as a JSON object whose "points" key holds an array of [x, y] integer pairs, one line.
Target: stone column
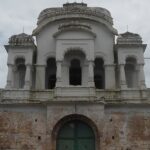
{"points": [[110, 76], [91, 74], [27, 85], [59, 73], [142, 76], [9, 76], [123, 84], [40, 77]]}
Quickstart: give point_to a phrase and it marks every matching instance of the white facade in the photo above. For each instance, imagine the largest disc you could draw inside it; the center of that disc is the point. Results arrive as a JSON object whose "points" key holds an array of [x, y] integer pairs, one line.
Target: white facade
{"points": [[76, 73], [77, 36]]}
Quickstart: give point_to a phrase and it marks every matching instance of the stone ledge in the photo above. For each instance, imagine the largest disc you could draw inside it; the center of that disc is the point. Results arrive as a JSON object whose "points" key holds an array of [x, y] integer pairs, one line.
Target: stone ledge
{"points": [[73, 94]]}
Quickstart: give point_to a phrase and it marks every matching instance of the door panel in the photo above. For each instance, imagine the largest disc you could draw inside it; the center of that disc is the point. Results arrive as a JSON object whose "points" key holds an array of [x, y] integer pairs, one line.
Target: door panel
{"points": [[65, 144], [86, 144], [75, 135]]}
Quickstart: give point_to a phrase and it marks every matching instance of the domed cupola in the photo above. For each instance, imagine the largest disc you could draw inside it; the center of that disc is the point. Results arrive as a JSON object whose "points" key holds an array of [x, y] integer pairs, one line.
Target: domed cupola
{"points": [[129, 38], [130, 49], [21, 40]]}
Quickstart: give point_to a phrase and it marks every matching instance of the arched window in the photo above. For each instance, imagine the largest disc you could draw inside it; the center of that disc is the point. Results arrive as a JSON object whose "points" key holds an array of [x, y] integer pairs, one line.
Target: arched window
{"points": [[20, 73], [50, 76], [99, 73], [75, 72], [75, 135], [131, 73]]}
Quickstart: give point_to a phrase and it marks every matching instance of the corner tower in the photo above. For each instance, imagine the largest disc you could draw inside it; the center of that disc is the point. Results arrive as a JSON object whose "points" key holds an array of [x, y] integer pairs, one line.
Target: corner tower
{"points": [[130, 51], [21, 49]]}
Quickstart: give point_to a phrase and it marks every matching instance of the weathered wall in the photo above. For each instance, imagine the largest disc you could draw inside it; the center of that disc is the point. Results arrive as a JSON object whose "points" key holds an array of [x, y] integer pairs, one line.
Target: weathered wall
{"points": [[22, 128], [31, 127], [127, 128]]}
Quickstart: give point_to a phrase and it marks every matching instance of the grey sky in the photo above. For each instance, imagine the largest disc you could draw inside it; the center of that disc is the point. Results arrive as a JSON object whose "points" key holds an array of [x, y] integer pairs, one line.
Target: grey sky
{"points": [[16, 14]]}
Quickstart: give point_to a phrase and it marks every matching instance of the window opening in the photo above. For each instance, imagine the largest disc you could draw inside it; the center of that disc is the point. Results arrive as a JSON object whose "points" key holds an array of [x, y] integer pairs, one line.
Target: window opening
{"points": [[75, 72], [50, 79], [99, 74], [130, 72], [20, 73]]}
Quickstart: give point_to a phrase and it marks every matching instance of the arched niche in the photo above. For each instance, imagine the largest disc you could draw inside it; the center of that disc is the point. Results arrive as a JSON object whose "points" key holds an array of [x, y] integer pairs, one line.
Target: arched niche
{"points": [[20, 71], [75, 74], [75, 60], [131, 72], [99, 73], [50, 74]]}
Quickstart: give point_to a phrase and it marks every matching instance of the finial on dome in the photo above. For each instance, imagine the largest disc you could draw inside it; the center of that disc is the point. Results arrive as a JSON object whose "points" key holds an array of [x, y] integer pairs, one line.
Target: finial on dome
{"points": [[23, 29], [75, 4], [127, 28]]}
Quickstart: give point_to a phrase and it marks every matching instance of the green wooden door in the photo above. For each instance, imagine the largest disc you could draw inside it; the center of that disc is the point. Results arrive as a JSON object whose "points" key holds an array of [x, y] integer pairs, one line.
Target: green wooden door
{"points": [[76, 135]]}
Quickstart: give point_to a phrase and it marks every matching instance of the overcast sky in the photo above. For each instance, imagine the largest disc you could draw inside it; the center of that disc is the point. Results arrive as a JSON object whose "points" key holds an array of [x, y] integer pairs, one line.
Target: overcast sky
{"points": [[16, 14]]}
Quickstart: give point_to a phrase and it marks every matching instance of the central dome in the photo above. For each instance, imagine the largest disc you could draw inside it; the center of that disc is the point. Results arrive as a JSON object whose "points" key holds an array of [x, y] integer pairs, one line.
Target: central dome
{"points": [[74, 11], [75, 8]]}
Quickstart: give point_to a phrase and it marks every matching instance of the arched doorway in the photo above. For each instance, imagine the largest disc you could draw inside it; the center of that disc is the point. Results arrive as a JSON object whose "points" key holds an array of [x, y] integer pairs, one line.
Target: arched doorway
{"points": [[75, 135]]}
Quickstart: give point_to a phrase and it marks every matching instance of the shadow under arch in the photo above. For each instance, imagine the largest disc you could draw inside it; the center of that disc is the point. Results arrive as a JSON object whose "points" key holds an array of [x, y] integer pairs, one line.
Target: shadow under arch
{"points": [[75, 117], [77, 51]]}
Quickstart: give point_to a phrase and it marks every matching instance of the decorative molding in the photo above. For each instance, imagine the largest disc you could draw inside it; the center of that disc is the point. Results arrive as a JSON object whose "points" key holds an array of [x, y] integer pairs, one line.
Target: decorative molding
{"points": [[72, 93], [21, 39], [129, 38], [75, 8], [74, 25], [75, 12]]}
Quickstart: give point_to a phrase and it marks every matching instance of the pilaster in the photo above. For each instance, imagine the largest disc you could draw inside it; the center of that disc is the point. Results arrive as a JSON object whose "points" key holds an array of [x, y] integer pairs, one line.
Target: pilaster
{"points": [[110, 76], [40, 76], [28, 77], [91, 74], [141, 76], [59, 74], [122, 77], [9, 76]]}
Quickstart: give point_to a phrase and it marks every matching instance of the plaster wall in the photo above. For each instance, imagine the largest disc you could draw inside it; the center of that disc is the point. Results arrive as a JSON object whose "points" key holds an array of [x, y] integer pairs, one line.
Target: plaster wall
{"points": [[26, 53], [135, 52], [103, 43]]}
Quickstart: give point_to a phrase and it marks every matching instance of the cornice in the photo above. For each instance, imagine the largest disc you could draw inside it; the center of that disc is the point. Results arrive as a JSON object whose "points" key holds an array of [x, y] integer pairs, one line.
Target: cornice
{"points": [[127, 45], [75, 8], [74, 26], [7, 47], [73, 17]]}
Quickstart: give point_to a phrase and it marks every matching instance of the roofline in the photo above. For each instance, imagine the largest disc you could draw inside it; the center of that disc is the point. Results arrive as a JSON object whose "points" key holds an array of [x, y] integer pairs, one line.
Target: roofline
{"points": [[58, 18], [7, 47], [131, 45]]}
